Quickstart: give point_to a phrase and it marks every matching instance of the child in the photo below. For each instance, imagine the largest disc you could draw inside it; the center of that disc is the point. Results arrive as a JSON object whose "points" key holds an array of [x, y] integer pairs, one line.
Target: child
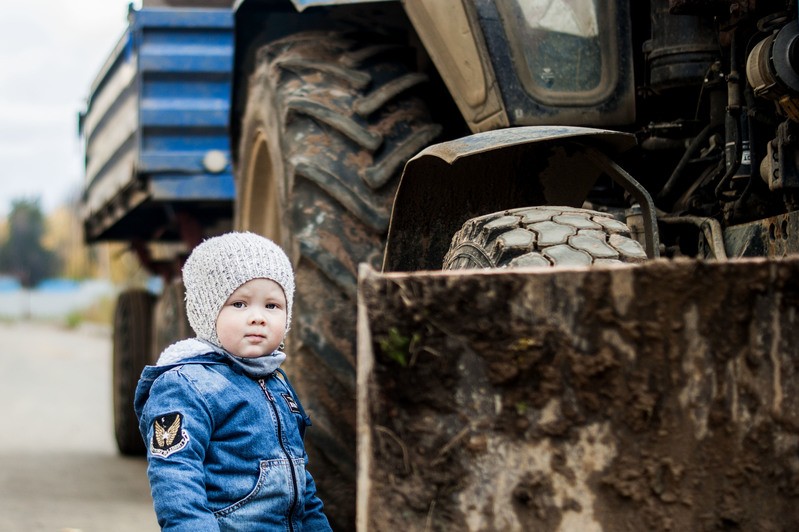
{"points": [[223, 427]]}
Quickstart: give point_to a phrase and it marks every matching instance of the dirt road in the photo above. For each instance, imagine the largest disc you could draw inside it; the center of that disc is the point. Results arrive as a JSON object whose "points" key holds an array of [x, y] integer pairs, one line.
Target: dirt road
{"points": [[59, 469]]}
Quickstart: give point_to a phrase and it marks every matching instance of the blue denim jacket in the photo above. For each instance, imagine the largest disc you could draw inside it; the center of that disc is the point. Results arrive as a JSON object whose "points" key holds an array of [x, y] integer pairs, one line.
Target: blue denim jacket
{"points": [[225, 451]]}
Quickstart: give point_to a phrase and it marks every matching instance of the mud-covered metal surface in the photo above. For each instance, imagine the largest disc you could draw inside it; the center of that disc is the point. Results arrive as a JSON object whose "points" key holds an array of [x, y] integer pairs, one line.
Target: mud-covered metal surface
{"points": [[769, 237], [660, 396]]}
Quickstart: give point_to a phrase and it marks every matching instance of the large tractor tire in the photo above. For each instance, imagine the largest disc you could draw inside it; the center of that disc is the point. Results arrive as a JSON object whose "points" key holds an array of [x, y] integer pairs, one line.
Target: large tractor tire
{"points": [[330, 121], [170, 322], [131, 352], [542, 237]]}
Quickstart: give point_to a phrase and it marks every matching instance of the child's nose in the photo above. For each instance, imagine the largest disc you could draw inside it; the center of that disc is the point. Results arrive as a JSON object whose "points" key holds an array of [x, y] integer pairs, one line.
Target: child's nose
{"points": [[257, 316]]}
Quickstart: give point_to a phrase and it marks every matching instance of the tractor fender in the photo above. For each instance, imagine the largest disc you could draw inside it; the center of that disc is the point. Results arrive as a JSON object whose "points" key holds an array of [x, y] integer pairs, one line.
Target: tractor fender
{"points": [[451, 182]]}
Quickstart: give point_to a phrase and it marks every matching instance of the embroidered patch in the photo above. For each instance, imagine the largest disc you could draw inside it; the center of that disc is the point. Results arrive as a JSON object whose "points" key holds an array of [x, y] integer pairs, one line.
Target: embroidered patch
{"points": [[291, 402], [168, 435]]}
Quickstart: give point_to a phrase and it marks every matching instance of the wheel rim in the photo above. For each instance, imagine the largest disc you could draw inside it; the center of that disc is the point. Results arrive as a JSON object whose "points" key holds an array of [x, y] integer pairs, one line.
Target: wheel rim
{"points": [[260, 197]]}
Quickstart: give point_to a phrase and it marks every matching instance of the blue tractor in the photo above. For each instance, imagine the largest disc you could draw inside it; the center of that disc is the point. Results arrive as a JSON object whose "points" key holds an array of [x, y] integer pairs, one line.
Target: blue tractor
{"points": [[429, 134]]}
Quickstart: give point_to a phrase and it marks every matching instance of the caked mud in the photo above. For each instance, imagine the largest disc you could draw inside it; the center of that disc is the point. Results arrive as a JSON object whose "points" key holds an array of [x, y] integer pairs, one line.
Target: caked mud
{"points": [[655, 397]]}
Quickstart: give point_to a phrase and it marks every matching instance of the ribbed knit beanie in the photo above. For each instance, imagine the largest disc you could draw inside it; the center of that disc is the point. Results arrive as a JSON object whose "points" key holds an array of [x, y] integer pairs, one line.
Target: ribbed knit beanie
{"points": [[219, 265]]}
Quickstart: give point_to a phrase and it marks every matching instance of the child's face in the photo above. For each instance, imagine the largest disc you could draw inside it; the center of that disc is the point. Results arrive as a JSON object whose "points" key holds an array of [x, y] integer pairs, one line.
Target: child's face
{"points": [[252, 321]]}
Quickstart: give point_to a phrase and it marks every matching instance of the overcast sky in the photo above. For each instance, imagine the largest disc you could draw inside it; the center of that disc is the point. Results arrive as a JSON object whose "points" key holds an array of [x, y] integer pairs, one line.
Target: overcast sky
{"points": [[50, 51]]}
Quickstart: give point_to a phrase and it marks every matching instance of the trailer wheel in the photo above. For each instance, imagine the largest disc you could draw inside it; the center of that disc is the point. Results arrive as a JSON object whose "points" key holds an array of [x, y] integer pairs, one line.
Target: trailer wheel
{"points": [[170, 322], [132, 342], [542, 236], [329, 122]]}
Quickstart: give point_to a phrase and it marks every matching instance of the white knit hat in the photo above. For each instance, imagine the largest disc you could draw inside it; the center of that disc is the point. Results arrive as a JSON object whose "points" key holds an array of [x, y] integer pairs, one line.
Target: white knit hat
{"points": [[219, 265]]}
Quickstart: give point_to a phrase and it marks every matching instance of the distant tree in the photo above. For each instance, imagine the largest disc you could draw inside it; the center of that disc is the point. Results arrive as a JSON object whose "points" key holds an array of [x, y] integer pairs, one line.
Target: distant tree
{"points": [[113, 261], [22, 254]]}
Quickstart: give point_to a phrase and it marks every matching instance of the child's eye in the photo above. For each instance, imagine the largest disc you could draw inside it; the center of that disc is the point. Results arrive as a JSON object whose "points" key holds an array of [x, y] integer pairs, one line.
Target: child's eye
{"points": [[271, 306], [238, 304]]}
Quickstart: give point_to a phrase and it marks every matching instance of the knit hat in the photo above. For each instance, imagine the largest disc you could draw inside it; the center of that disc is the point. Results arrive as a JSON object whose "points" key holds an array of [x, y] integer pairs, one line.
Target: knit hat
{"points": [[219, 265]]}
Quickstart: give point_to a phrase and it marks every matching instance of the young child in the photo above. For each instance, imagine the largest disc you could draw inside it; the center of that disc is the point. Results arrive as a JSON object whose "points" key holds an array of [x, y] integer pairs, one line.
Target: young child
{"points": [[223, 427]]}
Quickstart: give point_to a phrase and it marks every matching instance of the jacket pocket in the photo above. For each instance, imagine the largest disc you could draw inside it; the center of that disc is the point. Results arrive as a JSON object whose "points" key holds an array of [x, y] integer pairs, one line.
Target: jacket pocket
{"points": [[270, 499]]}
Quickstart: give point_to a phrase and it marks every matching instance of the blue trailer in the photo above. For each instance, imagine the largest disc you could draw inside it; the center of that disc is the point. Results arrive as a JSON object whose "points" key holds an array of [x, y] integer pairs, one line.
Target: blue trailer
{"points": [[156, 127], [429, 134]]}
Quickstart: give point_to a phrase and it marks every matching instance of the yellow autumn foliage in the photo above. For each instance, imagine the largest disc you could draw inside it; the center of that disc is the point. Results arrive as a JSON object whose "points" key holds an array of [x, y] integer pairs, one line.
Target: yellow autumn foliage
{"points": [[112, 261]]}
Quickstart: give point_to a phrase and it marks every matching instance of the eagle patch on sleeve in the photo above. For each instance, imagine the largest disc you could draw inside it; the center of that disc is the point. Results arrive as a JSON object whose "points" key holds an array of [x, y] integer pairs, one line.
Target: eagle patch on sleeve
{"points": [[168, 434]]}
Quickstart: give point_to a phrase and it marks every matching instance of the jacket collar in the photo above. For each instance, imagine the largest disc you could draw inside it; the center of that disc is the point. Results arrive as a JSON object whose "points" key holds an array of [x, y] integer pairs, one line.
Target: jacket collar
{"points": [[185, 350]]}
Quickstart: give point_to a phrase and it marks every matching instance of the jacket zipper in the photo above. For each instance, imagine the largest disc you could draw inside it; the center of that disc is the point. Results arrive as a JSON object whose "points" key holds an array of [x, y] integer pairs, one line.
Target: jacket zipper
{"points": [[294, 496]]}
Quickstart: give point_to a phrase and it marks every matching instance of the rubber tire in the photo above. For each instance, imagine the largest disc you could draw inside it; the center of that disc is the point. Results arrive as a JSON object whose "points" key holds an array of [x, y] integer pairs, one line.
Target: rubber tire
{"points": [[544, 237], [329, 122], [170, 322], [131, 352]]}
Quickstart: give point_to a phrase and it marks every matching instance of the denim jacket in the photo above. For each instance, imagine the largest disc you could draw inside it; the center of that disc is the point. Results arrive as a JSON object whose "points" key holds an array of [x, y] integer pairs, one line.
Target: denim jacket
{"points": [[225, 451]]}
